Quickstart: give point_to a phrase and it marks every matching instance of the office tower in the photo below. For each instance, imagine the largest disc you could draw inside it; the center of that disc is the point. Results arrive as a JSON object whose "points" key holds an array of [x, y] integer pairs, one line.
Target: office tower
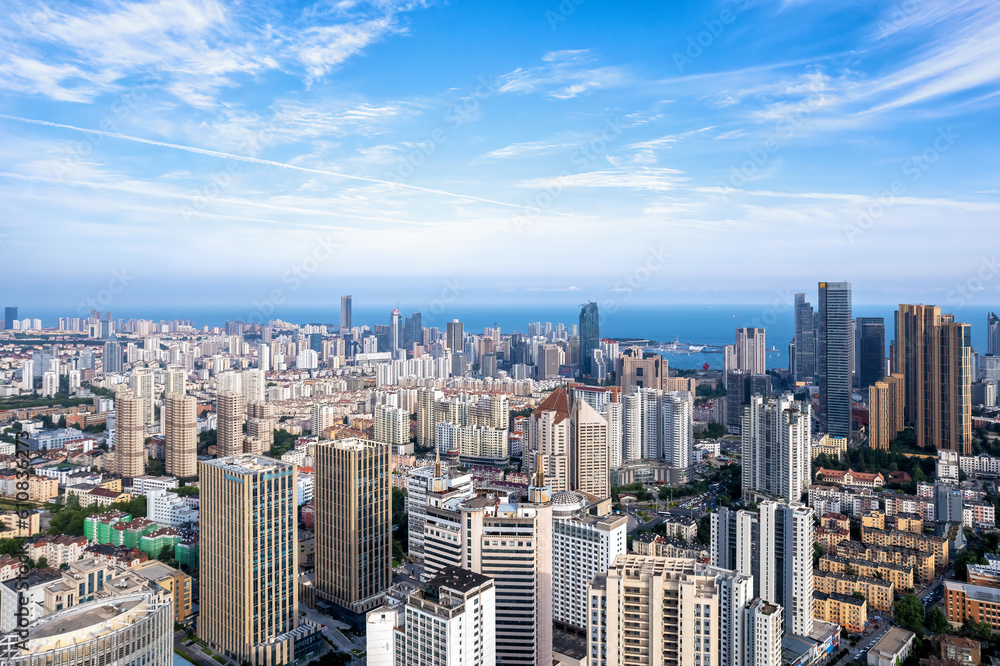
{"points": [[112, 358], [805, 340], [142, 386], [835, 358], [392, 427], [776, 445], [451, 621], [549, 360], [431, 493], [9, 317], [751, 351], [934, 354], [413, 331], [786, 562], [395, 332], [869, 351], [455, 337], [637, 369], [736, 543], [764, 629], [260, 428], [649, 610], [180, 426], [992, 334], [231, 414], [345, 315], [248, 559], [583, 545], [590, 336], [632, 426], [130, 450], [886, 403], [174, 381], [740, 387], [591, 468], [512, 543], [612, 413], [353, 526], [549, 440], [677, 433]]}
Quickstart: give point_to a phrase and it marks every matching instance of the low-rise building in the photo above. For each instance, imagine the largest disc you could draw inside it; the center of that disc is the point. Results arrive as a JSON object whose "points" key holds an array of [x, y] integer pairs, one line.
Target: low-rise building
{"points": [[965, 600], [960, 649], [17, 525], [899, 575], [938, 546], [878, 592], [850, 478], [176, 583], [57, 550], [848, 611], [892, 649]]}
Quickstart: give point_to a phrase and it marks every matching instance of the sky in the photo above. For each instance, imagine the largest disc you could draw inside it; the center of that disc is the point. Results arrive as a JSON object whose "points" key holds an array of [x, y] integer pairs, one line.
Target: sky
{"points": [[193, 152]]}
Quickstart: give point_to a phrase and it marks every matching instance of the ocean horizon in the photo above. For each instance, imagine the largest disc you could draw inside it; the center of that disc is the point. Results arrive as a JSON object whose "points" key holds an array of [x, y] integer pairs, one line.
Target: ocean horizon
{"points": [[696, 324]]}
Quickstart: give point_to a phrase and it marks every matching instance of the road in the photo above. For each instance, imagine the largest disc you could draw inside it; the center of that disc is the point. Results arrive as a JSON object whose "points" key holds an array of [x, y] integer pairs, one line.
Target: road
{"points": [[860, 652]]}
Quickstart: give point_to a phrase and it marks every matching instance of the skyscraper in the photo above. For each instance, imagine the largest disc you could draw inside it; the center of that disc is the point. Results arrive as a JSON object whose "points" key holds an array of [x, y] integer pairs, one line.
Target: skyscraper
{"points": [[143, 387], [934, 354], [992, 334], [395, 332], [776, 444], [345, 315], [454, 336], [413, 331], [751, 350], [174, 380], [549, 440], [869, 351], [353, 526], [112, 355], [786, 564], [130, 452], [231, 413], [805, 340], [9, 317], [180, 427], [248, 560], [836, 358], [677, 434], [886, 404], [591, 465], [590, 336]]}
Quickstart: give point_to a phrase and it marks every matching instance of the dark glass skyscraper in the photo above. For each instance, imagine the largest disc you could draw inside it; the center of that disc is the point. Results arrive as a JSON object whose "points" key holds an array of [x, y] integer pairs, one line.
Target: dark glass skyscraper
{"points": [[9, 315], [413, 331], [869, 350], [112, 355], [992, 333], [590, 336], [805, 340], [345, 314], [836, 358]]}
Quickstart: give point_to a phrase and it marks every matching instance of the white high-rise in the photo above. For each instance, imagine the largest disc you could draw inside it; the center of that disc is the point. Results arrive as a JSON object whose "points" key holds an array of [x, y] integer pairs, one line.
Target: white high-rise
{"points": [[777, 441], [392, 427], [650, 401], [631, 427], [786, 564], [174, 381], [143, 388], [254, 385], [677, 429], [50, 384], [28, 376], [763, 630], [612, 413]]}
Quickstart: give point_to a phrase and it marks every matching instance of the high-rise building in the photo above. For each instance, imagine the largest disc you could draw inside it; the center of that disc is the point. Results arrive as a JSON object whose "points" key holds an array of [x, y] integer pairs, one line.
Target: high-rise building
{"points": [[392, 427], [677, 433], [28, 376], [591, 469], [180, 426], [413, 331], [632, 426], [549, 440], [231, 414], [835, 358], [253, 385], [804, 366], [764, 629], [143, 387], [934, 354], [638, 369], [248, 559], [130, 450], [395, 332], [613, 414], [450, 621], [992, 334], [455, 336], [433, 496], [9, 317], [786, 562], [736, 543], [886, 404], [740, 388], [648, 610], [353, 526], [112, 358], [345, 315], [174, 381], [869, 351], [583, 545], [260, 428], [589, 336], [776, 447], [751, 351], [512, 543]]}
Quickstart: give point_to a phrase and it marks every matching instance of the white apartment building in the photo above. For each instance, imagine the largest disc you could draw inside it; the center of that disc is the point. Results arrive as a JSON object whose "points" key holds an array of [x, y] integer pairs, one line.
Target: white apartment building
{"points": [[776, 443]]}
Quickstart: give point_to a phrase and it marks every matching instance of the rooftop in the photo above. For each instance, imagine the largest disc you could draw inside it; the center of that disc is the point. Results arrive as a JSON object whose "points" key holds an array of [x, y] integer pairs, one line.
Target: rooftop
{"points": [[458, 579], [894, 641]]}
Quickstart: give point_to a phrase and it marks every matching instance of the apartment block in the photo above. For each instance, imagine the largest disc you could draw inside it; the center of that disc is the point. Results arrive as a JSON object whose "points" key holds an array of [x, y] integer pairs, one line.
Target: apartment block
{"points": [[900, 576], [848, 611], [878, 592]]}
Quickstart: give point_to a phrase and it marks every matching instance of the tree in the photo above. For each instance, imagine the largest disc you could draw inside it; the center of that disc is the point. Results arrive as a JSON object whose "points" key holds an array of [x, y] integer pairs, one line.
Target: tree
{"points": [[936, 622], [42, 563], [704, 535], [858, 594], [154, 467], [968, 556], [818, 552], [981, 631], [910, 614]]}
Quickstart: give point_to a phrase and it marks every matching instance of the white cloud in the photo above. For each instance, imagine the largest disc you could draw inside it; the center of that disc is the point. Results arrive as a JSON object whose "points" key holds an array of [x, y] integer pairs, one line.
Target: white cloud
{"points": [[656, 180], [565, 74]]}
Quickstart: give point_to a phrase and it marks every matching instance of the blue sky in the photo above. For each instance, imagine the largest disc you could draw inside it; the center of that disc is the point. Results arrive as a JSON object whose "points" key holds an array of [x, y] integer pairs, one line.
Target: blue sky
{"points": [[658, 152]]}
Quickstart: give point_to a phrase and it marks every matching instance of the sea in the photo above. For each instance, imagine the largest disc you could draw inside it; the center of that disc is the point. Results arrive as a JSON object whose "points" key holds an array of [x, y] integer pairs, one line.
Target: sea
{"points": [[695, 324]]}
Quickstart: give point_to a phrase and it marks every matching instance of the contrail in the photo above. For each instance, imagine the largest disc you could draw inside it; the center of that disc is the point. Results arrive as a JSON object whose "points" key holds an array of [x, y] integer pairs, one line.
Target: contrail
{"points": [[256, 160]]}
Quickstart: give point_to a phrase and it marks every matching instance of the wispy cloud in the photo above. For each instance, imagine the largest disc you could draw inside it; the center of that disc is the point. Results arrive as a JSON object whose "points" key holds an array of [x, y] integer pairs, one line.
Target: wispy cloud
{"points": [[564, 75], [652, 179]]}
